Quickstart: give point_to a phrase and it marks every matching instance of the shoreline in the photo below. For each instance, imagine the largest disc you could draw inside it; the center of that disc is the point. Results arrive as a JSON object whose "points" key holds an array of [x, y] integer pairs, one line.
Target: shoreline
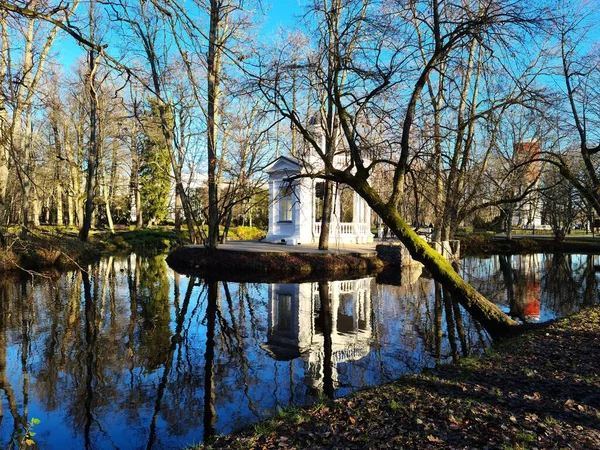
{"points": [[256, 266], [51, 248], [60, 249], [480, 245]]}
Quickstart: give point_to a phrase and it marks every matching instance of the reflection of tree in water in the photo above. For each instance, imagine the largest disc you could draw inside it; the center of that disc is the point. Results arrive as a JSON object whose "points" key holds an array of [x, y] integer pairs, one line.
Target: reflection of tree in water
{"points": [[527, 284], [569, 282], [169, 406], [225, 314], [154, 309], [99, 354], [120, 345], [433, 326], [591, 294], [14, 306], [487, 275], [323, 321]]}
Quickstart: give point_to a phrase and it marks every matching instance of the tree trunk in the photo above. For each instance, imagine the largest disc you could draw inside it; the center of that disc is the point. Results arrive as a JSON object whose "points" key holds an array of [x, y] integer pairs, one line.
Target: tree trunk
{"points": [[26, 174], [58, 191], [43, 212], [58, 194], [509, 220], [75, 179], [178, 218], [35, 207], [227, 226], [488, 314], [105, 193], [326, 215], [134, 182], [93, 144], [3, 176], [113, 173], [105, 190], [214, 81], [70, 210], [4, 141]]}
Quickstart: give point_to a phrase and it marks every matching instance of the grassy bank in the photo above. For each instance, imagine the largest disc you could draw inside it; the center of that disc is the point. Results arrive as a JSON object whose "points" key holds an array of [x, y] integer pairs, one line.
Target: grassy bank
{"points": [[538, 390], [53, 247], [45, 248], [489, 243]]}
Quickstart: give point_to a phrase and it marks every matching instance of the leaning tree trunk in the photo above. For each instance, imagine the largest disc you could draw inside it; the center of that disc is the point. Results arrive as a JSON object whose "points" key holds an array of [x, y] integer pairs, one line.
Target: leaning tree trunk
{"points": [[481, 309]]}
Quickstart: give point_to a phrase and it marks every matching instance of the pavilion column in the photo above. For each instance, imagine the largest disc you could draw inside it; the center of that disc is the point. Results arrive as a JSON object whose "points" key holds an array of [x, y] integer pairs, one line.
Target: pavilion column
{"points": [[356, 213], [297, 212], [273, 207], [357, 297], [334, 295], [367, 216]]}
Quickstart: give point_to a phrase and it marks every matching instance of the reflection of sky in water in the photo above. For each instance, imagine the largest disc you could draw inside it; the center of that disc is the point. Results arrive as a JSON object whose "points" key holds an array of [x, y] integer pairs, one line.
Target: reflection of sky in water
{"points": [[128, 367]]}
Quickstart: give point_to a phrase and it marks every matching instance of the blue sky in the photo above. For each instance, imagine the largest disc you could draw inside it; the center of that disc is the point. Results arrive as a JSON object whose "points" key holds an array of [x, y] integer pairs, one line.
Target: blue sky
{"points": [[279, 14], [282, 13]]}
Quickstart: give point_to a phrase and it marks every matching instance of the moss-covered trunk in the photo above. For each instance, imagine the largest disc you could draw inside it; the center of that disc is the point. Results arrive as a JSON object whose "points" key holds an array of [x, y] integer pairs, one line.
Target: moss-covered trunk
{"points": [[481, 309]]}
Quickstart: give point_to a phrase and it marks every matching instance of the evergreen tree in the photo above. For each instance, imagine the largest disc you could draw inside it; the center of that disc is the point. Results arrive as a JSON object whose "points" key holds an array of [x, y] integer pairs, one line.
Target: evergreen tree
{"points": [[155, 177]]}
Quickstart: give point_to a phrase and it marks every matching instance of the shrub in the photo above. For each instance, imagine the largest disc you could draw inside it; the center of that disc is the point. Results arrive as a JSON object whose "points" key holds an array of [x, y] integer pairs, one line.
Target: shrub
{"points": [[246, 233]]}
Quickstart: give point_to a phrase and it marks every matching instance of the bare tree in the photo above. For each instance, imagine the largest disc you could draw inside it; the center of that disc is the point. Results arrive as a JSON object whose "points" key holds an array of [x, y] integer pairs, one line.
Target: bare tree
{"points": [[579, 68], [94, 141], [4, 125], [38, 39], [377, 69]]}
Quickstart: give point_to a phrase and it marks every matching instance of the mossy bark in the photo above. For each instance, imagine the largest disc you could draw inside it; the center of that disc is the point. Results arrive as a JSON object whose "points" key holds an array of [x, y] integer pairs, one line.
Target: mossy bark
{"points": [[496, 323]]}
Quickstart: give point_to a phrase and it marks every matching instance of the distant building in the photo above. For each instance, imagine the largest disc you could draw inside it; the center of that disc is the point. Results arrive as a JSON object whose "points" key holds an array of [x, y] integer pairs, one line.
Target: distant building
{"points": [[528, 213]]}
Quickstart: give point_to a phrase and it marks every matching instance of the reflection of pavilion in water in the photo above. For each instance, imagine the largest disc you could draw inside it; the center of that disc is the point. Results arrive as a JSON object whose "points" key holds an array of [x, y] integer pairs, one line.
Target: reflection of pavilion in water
{"points": [[298, 328]]}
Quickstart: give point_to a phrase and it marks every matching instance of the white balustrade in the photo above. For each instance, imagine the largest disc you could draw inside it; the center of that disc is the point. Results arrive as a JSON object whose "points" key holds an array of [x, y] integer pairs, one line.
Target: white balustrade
{"points": [[347, 287], [344, 228]]}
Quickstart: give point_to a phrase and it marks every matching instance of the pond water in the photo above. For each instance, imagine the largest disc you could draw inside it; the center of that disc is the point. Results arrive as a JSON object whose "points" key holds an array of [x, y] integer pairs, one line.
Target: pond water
{"points": [[132, 355]]}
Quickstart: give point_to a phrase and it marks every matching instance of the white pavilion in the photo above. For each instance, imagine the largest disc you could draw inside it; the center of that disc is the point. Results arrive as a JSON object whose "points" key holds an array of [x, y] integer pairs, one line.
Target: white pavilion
{"points": [[294, 215]]}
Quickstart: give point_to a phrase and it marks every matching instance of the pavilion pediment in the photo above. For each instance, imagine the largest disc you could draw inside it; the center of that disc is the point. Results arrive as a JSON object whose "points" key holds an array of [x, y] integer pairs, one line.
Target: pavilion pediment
{"points": [[283, 164]]}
